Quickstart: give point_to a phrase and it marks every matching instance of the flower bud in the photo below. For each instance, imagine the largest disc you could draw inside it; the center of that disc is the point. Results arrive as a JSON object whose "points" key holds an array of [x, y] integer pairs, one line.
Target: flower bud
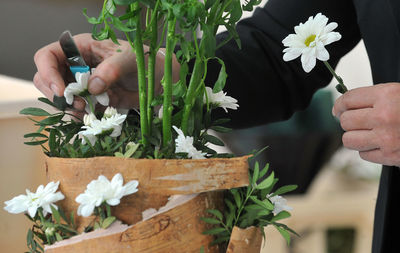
{"points": [[50, 231], [88, 119], [109, 112]]}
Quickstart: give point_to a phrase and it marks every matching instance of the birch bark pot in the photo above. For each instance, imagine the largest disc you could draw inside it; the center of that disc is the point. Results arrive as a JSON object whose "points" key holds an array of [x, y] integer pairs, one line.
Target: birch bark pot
{"points": [[247, 240], [164, 215]]}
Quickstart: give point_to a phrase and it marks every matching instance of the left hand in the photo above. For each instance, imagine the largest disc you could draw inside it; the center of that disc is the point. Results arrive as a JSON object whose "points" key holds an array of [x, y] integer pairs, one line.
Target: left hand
{"points": [[371, 118]]}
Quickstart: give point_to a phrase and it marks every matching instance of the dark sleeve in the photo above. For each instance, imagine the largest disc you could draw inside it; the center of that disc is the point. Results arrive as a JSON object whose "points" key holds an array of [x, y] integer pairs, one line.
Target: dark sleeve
{"points": [[267, 88]]}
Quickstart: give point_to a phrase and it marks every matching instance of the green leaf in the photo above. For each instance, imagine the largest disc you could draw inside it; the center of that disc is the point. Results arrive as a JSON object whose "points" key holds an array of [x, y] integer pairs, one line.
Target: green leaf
{"points": [[108, 221], [210, 220], [214, 140], [264, 171], [29, 237], [34, 112], [62, 214], [34, 143], [216, 213], [51, 120], [209, 3], [235, 12], [221, 121], [55, 214], [52, 140], [125, 2], [58, 237], [221, 129], [263, 203], [35, 135], [91, 20], [255, 173], [236, 197], [284, 189], [267, 182], [221, 240], [208, 42], [220, 83], [96, 226], [121, 26], [202, 249], [229, 218], [46, 101], [280, 216], [284, 233], [254, 208], [72, 219], [214, 231]]}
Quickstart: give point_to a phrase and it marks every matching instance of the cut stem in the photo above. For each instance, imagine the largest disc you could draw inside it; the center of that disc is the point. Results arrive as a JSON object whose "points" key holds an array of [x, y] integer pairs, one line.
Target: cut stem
{"points": [[152, 66], [167, 82], [141, 72], [339, 87]]}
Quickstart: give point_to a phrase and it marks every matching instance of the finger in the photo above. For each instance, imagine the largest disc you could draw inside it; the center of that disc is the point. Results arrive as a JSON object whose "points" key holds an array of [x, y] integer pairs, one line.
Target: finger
{"points": [[121, 98], [51, 65], [360, 119], [79, 104], [360, 140], [358, 98], [375, 156], [42, 87], [111, 71]]}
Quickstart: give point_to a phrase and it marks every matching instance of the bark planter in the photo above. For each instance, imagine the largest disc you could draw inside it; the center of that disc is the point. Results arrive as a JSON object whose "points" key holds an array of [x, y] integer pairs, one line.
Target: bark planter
{"points": [[163, 216], [247, 240]]}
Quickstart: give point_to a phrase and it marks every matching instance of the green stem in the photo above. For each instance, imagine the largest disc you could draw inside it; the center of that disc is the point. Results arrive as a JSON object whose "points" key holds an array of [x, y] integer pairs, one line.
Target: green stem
{"points": [[194, 82], [242, 206], [141, 72], [152, 65], [340, 87], [90, 103], [108, 208], [167, 83], [190, 98]]}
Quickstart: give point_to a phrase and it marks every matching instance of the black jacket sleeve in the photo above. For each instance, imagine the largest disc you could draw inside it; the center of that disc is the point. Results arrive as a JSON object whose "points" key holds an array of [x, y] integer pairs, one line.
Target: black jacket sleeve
{"points": [[267, 88]]}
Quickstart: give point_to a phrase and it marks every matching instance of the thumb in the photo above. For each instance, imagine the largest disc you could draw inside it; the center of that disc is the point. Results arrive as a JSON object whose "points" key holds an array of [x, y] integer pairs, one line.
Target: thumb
{"points": [[112, 70]]}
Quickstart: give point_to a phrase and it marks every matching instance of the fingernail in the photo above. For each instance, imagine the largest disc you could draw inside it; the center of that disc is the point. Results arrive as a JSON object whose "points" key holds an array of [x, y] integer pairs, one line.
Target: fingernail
{"points": [[55, 89], [97, 86]]}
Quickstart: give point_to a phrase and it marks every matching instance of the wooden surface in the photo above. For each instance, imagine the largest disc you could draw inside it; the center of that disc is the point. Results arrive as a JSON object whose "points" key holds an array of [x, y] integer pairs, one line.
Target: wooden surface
{"points": [[245, 240], [176, 230], [158, 179]]}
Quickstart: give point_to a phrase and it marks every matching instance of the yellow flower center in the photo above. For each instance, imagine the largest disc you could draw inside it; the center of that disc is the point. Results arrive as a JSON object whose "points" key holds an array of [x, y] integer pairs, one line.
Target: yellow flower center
{"points": [[310, 39]]}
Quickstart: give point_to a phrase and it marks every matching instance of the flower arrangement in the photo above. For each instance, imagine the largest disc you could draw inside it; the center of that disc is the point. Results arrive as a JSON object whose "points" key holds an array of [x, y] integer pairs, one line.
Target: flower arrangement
{"points": [[180, 128]]}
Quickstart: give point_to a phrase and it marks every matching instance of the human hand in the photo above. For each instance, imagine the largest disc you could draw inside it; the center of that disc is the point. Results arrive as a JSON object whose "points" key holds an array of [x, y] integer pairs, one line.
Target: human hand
{"points": [[115, 72], [371, 118]]}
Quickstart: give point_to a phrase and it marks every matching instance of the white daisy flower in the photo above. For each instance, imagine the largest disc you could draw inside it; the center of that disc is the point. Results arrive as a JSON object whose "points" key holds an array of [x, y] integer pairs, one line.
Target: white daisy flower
{"points": [[110, 124], [280, 204], [184, 144], [80, 88], [102, 190], [310, 40], [44, 197], [220, 99]]}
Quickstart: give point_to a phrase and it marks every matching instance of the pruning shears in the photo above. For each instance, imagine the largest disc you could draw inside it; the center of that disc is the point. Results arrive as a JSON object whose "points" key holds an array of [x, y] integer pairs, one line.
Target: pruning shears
{"points": [[74, 57]]}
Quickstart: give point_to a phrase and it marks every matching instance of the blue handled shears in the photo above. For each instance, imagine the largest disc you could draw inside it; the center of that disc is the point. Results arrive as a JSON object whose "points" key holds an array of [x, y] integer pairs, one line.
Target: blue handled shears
{"points": [[74, 58]]}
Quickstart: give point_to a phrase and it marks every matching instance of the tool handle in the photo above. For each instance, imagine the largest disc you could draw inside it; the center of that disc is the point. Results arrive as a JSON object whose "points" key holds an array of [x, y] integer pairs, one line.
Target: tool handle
{"points": [[80, 69]]}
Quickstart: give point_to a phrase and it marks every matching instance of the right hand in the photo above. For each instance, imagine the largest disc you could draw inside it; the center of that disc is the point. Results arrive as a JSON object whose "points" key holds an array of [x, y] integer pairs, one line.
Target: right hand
{"points": [[116, 71]]}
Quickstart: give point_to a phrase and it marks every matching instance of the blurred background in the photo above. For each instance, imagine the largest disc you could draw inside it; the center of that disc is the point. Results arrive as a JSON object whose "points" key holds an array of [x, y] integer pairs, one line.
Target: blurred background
{"points": [[333, 207]]}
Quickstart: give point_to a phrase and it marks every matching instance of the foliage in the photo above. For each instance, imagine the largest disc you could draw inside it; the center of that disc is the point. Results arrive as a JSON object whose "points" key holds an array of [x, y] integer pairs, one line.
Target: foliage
{"points": [[183, 104], [250, 206], [50, 229], [60, 132]]}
